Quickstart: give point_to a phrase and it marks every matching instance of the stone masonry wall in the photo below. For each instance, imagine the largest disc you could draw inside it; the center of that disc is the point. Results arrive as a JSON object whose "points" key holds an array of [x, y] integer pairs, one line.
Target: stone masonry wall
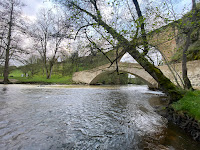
{"points": [[193, 72]]}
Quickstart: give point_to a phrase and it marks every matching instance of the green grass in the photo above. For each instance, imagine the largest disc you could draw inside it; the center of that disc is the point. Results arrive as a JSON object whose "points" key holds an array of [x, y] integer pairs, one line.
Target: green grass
{"points": [[190, 104], [42, 79], [16, 73]]}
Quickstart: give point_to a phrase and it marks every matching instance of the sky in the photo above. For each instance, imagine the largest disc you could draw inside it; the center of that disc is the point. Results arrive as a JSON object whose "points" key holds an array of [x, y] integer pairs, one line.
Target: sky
{"points": [[33, 6]]}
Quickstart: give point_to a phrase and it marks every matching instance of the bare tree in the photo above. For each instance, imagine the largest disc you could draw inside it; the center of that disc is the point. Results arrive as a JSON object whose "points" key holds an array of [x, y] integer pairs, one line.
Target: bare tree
{"points": [[49, 33], [2, 44], [32, 65], [11, 25]]}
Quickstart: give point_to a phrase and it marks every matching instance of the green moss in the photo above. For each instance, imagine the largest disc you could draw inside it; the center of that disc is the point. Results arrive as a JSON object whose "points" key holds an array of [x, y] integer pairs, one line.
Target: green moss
{"points": [[165, 84], [190, 104]]}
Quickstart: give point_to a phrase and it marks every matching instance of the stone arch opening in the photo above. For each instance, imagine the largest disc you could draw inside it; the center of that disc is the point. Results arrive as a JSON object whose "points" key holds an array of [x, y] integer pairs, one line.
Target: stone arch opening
{"points": [[104, 73]]}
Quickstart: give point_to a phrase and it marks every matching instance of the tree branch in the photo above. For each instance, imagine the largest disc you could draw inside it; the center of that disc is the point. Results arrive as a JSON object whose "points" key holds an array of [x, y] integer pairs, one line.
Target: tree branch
{"points": [[82, 28], [95, 45]]}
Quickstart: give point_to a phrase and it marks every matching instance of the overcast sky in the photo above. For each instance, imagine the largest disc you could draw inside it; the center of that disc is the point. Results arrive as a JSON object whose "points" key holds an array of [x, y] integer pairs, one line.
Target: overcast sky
{"points": [[32, 6]]}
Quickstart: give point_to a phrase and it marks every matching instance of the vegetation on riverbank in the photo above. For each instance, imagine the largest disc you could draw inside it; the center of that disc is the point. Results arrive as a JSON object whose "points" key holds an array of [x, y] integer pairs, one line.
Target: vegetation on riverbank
{"points": [[189, 104], [42, 80], [62, 73], [16, 76]]}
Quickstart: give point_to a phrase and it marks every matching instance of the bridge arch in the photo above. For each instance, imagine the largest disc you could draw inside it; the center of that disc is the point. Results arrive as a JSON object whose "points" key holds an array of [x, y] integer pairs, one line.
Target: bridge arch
{"points": [[100, 75], [92, 76]]}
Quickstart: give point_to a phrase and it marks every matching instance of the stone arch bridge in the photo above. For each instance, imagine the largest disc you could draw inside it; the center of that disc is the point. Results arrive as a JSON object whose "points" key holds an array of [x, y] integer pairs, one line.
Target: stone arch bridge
{"points": [[92, 76], [164, 39]]}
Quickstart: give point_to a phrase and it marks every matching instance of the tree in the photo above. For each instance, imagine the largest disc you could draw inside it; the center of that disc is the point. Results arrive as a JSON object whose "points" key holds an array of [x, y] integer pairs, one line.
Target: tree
{"points": [[11, 24], [187, 25], [2, 44], [75, 60], [91, 11], [32, 65], [49, 33]]}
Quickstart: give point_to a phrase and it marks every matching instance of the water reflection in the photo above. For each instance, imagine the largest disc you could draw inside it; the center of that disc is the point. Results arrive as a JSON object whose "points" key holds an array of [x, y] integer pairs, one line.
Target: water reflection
{"points": [[51, 118], [4, 89]]}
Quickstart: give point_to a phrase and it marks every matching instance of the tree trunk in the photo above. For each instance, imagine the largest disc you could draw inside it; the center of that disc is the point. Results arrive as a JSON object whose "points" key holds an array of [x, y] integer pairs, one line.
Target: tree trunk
{"points": [[50, 70], [187, 83], [47, 72], [193, 4], [52, 62], [143, 32], [172, 71], [164, 83], [6, 66]]}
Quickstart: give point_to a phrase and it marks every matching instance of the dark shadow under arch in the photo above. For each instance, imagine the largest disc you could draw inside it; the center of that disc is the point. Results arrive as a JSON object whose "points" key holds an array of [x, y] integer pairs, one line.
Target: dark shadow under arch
{"points": [[99, 76]]}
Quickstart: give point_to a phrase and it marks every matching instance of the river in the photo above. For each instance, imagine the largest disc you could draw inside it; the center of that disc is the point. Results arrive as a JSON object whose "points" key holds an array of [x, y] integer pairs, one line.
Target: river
{"points": [[53, 117]]}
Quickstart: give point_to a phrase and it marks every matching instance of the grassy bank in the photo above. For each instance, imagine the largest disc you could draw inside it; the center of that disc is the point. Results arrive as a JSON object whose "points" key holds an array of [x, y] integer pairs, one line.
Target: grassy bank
{"points": [[189, 104], [43, 80], [15, 75]]}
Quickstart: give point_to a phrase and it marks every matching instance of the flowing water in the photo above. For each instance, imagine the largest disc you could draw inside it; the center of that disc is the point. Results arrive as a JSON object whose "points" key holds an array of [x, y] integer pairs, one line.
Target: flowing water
{"points": [[85, 118]]}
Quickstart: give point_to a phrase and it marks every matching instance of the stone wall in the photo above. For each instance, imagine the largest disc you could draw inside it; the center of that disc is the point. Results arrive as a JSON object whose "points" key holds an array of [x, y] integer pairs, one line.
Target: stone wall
{"points": [[164, 39], [193, 72]]}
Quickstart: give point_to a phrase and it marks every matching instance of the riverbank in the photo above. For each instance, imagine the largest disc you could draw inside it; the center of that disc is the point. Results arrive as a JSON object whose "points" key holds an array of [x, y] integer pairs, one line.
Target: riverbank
{"points": [[40, 80], [185, 113], [184, 121]]}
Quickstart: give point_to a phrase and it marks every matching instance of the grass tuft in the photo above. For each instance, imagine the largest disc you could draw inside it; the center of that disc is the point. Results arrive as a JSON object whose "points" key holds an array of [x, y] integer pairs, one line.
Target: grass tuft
{"points": [[190, 104]]}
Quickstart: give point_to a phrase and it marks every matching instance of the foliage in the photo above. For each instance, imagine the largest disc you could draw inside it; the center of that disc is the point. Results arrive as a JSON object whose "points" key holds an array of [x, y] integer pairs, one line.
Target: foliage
{"points": [[190, 103]]}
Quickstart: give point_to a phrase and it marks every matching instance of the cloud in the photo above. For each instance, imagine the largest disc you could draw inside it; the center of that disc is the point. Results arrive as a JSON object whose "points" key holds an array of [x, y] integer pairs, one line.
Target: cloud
{"points": [[33, 6]]}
